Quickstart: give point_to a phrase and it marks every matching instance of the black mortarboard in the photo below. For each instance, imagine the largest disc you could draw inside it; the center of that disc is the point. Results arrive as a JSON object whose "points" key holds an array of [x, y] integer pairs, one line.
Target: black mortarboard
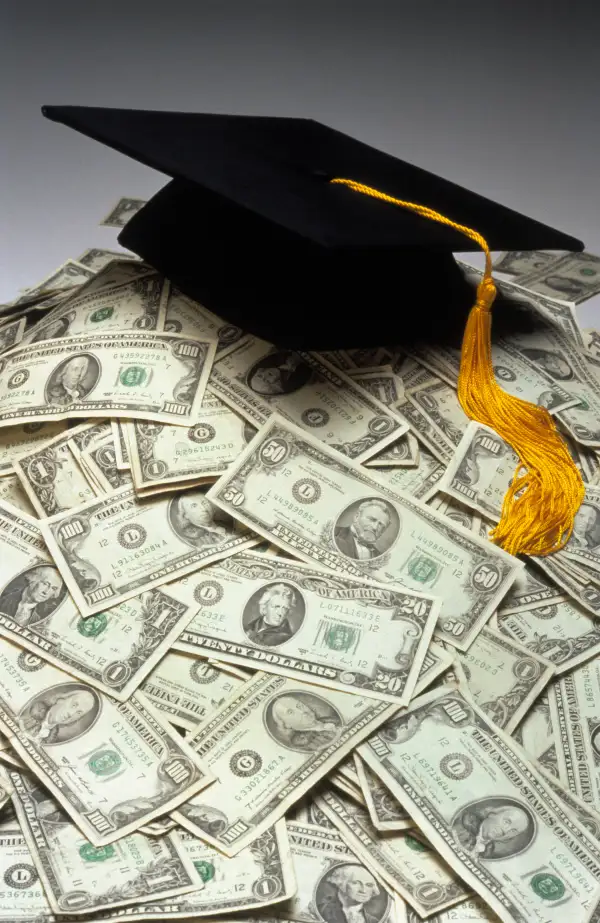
{"points": [[251, 227]]}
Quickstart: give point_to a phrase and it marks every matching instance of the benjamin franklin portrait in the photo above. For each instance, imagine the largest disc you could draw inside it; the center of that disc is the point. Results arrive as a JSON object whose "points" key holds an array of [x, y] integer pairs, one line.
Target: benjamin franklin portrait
{"points": [[280, 372], [494, 828], [366, 529], [551, 362], [302, 721], [196, 521], [60, 714], [33, 595], [349, 893], [273, 614], [73, 380], [587, 526]]}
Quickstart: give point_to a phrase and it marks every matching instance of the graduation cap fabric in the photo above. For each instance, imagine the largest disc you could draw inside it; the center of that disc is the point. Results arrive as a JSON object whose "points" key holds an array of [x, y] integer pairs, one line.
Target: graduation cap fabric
{"points": [[252, 227]]}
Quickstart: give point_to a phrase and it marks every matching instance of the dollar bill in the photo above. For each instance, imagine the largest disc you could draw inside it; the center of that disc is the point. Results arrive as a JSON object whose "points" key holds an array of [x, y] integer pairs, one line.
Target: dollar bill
{"points": [[521, 263], [192, 319], [480, 471], [122, 211], [19, 440], [96, 259], [135, 305], [113, 650], [12, 493], [436, 662], [22, 896], [117, 766], [187, 689], [169, 454], [583, 547], [503, 677], [428, 435], [537, 733], [80, 878], [569, 577], [404, 453], [408, 865], [438, 404], [491, 815], [531, 590], [159, 827], [420, 482], [386, 814], [159, 540], [474, 910], [121, 449], [576, 711], [562, 632], [11, 333], [99, 461], [294, 620], [515, 373], [332, 879], [574, 277], [380, 381], [67, 276], [152, 376], [362, 528], [256, 379], [53, 478], [267, 746]]}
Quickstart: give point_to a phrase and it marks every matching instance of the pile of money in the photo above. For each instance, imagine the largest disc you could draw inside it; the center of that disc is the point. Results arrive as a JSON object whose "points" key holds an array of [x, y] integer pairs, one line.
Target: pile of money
{"points": [[258, 653]]}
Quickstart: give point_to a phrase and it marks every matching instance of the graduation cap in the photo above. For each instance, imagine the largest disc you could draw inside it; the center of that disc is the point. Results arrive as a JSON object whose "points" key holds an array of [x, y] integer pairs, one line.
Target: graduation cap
{"points": [[251, 227], [312, 239]]}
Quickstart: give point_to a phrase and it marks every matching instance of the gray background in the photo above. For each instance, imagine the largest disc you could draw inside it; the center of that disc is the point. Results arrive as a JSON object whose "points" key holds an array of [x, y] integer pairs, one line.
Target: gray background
{"points": [[499, 97]]}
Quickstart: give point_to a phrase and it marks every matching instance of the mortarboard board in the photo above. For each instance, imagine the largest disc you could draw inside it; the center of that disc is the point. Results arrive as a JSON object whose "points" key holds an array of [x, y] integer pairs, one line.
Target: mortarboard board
{"points": [[251, 227]]}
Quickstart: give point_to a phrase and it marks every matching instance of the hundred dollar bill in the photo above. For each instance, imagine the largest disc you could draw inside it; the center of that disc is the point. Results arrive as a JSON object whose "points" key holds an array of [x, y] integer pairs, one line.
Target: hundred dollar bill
{"points": [[514, 371], [11, 333], [491, 815], [80, 878], [362, 528], [113, 650], [112, 766], [135, 305], [257, 379], [22, 897], [385, 812], [503, 677], [267, 746], [188, 690], [53, 478], [562, 632], [192, 319], [410, 867], [580, 584], [122, 211], [332, 881], [531, 590], [574, 277], [118, 546], [576, 711], [294, 620], [96, 259], [420, 482], [154, 376], [163, 454], [12, 493], [537, 733], [481, 471], [439, 406], [20, 440]]}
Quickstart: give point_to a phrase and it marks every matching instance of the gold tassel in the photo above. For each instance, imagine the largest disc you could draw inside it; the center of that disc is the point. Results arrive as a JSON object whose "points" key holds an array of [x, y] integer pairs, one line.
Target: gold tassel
{"points": [[546, 492]]}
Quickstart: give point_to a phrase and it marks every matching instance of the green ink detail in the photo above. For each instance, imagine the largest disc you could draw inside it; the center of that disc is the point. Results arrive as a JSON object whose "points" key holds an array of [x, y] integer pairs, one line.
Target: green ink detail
{"points": [[548, 887], [91, 853], [206, 870], [423, 569], [133, 377], [101, 314], [105, 762], [92, 626], [415, 844], [588, 272], [340, 638]]}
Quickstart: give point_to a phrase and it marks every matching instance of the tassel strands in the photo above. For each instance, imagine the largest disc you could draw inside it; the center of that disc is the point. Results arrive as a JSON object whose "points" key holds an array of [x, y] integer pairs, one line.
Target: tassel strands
{"points": [[546, 492]]}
